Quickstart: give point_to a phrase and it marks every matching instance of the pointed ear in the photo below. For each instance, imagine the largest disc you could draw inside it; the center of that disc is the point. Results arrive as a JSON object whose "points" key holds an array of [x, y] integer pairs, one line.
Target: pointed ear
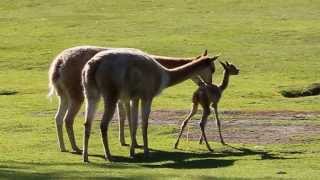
{"points": [[214, 58], [224, 65], [227, 63], [205, 53]]}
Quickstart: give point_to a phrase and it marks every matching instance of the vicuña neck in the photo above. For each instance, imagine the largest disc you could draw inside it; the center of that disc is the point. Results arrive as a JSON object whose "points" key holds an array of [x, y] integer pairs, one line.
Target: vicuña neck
{"points": [[186, 71], [225, 81], [172, 62]]}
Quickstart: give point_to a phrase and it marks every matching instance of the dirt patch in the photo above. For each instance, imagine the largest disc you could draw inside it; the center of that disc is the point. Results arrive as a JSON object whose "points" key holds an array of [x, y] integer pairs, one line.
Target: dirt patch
{"points": [[245, 127], [262, 127]]}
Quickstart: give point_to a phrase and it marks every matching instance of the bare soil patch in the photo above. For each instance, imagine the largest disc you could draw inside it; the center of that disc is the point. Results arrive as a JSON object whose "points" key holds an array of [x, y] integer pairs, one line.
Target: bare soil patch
{"points": [[262, 127], [245, 127]]}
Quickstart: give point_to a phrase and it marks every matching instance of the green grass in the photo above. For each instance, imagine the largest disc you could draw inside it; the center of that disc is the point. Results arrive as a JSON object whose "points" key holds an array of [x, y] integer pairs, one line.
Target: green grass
{"points": [[275, 44]]}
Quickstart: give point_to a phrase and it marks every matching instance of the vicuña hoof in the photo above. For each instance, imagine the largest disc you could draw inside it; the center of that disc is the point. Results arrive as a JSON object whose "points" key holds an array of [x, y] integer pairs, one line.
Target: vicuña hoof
{"points": [[76, 151], [124, 144], [63, 150], [109, 158]]}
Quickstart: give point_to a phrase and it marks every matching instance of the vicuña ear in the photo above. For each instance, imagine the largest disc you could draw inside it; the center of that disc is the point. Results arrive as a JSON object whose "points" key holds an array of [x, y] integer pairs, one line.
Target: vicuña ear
{"points": [[205, 53], [214, 58], [224, 65]]}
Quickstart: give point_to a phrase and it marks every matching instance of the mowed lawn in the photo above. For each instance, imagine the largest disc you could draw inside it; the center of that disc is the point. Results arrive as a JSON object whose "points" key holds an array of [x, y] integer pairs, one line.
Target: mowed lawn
{"points": [[275, 44]]}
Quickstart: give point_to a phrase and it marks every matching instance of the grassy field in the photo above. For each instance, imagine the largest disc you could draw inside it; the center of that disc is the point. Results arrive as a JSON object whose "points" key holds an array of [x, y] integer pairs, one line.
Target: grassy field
{"points": [[276, 44]]}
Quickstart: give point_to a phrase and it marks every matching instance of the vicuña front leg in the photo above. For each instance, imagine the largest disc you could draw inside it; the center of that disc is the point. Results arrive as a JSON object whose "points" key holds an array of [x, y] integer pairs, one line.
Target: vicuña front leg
{"points": [[204, 119], [219, 125], [185, 122]]}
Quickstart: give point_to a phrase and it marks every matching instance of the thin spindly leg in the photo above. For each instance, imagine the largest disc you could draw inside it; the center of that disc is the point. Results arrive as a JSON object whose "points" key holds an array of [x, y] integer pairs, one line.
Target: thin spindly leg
{"points": [[145, 112], [110, 104], [206, 112], [91, 105], [219, 125], [63, 106], [122, 118], [185, 122], [73, 109], [129, 117], [134, 120]]}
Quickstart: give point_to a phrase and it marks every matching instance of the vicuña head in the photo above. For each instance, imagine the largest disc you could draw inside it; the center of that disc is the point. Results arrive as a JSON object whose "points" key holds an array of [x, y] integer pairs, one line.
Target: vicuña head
{"points": [[230, 68]]}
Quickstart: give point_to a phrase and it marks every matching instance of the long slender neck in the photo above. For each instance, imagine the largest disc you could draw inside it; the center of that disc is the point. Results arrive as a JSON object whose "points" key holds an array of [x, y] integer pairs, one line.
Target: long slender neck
{"points": [[171, 62], [166, 58], [186, 71], [225, 81]]}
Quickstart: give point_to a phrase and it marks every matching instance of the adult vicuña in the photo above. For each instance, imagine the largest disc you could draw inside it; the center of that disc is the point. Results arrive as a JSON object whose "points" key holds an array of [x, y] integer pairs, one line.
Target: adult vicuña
{"points": [[128, 76], [65, 79], [205, 95]]}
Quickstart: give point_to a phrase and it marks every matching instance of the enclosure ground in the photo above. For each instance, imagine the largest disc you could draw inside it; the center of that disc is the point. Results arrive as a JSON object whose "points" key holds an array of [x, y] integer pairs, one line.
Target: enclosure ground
{"points": [[256, 127]]}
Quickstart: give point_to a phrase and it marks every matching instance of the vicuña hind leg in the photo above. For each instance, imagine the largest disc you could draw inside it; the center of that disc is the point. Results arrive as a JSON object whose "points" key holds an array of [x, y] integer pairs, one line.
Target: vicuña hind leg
{"points": [[110, 103], [73, 109], [219, 125], [122, 118], [91, 106], [134, 121], [145, 112], [132, 114], [185, 122], [206, 112], [63, 106]]}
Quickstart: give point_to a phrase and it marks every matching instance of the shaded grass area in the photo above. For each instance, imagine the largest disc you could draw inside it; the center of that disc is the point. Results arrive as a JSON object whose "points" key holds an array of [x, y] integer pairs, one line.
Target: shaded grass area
{"points": [[310, 90], [7, 92]]}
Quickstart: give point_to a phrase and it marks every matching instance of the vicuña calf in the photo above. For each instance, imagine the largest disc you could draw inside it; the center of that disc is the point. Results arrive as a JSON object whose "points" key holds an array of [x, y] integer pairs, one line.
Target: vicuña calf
{"points": [[205, 95]]}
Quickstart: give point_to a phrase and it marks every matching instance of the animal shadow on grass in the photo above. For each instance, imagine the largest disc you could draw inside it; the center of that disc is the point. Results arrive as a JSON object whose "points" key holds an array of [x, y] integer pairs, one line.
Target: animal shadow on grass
{"points": [[265, 155], [176, 160], [192, 160]]}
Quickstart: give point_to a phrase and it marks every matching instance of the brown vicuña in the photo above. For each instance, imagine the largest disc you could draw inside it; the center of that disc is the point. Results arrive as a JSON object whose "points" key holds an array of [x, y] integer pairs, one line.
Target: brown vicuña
{"points": [[65, 79], [208, 94], [129, 76]]}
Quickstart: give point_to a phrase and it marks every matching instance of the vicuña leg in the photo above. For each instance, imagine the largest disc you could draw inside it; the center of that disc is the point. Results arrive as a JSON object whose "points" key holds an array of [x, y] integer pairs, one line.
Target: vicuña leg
{"points": [[91, 106], [73, 109], [219, 125], [132, 114], [185, 122], [201, 137], [63, 106], [134, 121], [109, 108], [145, 112], [122, 118], [206, 113]]}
